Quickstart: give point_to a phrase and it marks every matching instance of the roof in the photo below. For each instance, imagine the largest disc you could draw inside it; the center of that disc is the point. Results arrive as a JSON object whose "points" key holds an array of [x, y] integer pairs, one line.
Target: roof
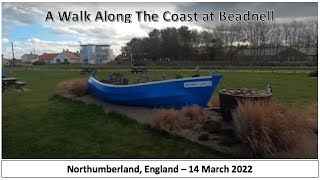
{"points": [[71, 55], [264, 51], [308, 51], [48, 56], [274, 51]]}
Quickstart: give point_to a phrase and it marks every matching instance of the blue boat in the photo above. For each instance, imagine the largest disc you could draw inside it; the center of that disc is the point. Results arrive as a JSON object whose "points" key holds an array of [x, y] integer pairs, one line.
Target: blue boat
{"points": [[174, 93]]}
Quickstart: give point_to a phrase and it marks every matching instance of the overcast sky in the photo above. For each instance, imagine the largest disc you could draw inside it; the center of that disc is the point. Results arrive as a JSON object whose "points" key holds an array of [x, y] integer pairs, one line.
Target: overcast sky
{"points": [[25, 25]]}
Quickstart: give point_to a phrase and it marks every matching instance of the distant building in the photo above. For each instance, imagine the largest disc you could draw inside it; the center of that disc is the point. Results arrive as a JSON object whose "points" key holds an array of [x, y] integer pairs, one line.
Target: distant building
{"points": [[292, 54], [312, 53], [29, 58], [66, 57], [96, 54], [48, 57], [121, 59], [57, 58], [277, 56], [249, 52]]}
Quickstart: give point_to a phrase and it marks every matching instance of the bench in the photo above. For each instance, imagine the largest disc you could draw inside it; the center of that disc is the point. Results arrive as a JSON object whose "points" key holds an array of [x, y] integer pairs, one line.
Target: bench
{"points": [[87, 70], [139, 69], [20, 84]]}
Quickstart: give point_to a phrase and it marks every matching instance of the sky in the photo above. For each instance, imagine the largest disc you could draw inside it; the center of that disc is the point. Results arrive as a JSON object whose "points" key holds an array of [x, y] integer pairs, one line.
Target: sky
{"points": [[24, 23]]}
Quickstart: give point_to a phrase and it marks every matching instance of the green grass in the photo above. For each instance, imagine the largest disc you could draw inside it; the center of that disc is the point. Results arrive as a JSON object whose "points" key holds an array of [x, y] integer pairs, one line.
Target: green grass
{"points": [[179, 67], [38, 124]]}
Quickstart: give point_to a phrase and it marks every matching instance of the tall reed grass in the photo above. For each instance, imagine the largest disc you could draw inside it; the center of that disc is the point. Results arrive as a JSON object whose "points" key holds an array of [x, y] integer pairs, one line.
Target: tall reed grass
{"points": [[77, 86], [269, 128]]}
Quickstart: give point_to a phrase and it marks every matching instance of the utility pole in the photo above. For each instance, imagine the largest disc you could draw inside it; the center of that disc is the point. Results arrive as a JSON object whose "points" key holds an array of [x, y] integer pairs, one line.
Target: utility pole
{"points": [[13, 60], [12, 51], [80, 54]]}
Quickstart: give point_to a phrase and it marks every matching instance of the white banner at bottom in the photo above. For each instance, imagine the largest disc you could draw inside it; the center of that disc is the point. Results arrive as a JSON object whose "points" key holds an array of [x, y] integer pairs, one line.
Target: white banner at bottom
{"points": [[160, 168]]}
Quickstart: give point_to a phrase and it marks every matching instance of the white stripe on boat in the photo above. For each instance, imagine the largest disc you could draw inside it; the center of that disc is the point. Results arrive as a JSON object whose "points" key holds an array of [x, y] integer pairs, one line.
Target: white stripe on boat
{"points": [[92, 79]]}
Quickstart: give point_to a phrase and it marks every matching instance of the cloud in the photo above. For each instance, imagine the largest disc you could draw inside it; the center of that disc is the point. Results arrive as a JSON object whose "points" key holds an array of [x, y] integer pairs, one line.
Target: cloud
{"points": [[5, 40], [18, 14], [25, 14], [114, 33], [6, 31], [282, 9]]}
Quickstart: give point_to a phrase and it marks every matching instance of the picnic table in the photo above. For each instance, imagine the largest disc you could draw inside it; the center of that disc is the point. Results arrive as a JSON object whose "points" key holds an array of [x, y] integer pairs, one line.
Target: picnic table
{"points": [[87, 70], [137, 69], [11, 81]]}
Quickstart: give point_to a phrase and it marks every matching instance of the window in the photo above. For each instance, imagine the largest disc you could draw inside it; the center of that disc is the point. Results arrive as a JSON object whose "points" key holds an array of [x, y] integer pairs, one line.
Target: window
{"points": [[58, 60], [65, 60]]}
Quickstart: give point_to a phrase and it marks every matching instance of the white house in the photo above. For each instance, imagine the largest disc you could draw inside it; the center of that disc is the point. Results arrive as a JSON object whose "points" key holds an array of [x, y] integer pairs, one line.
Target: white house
{"points": [[66, 57], [57, 58], [48, 57], [29, 58]]}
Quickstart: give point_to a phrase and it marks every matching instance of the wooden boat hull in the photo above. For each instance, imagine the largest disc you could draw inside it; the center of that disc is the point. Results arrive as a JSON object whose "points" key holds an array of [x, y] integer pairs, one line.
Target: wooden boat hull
{"points": [[168, 93]]}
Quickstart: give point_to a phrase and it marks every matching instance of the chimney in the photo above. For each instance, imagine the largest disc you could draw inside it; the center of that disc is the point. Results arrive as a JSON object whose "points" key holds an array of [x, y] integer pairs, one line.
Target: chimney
{"points": [[63, 50], [67, 50]]}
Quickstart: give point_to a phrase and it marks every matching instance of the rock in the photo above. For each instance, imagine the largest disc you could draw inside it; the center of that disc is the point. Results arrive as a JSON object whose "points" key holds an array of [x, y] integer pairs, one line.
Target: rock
{"points": [[228, 132], [203, 137], [212, 126], [229, 141]]}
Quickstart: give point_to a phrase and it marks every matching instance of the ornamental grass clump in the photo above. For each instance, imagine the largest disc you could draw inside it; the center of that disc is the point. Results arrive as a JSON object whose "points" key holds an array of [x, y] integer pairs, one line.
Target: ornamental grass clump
{"points": [[190, 117], [167, 119], [269, 128], [76, 86], [194, 117]]}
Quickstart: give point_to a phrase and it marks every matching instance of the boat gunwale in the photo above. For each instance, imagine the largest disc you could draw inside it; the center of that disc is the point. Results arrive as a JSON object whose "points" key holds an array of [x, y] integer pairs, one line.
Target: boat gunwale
{"points": [[153, 82]]}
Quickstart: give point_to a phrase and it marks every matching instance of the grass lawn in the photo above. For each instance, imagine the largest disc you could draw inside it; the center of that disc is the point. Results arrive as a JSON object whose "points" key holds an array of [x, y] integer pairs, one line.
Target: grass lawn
{"points": [[38, 124]]}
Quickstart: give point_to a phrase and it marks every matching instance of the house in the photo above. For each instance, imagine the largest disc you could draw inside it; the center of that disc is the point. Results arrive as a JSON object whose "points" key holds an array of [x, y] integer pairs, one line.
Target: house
{"points": [[96, 54], [57, 58], [48, 57], [277, 56], [66, 57], [121, 59], [292, 54], [311, 53], [29, 58], [259, 52]]}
